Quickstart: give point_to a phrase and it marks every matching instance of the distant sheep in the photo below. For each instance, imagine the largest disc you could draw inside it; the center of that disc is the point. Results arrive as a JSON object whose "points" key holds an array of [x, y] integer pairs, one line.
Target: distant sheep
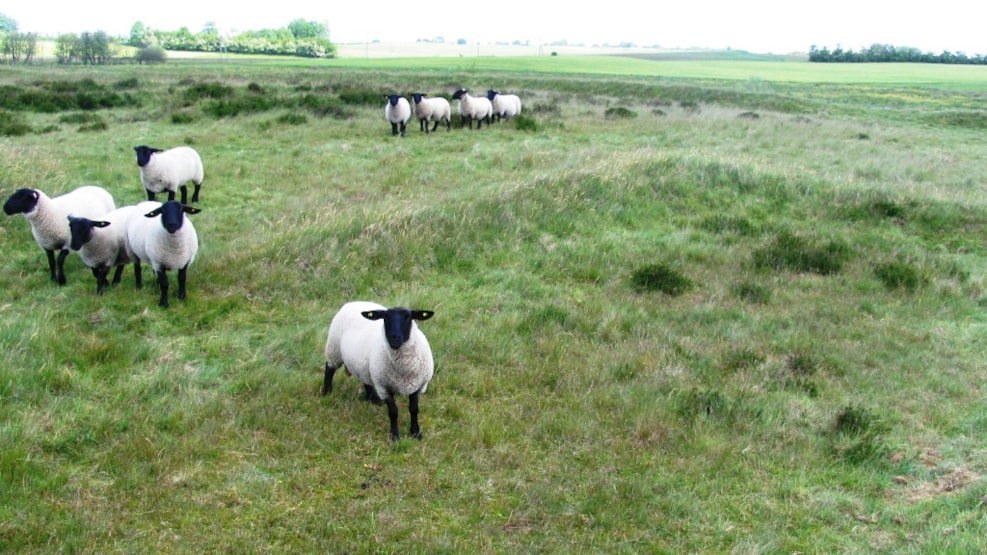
{"points": [[398, 112], [165, 239], [101, 243], [505, 106], [385, 350], [170, 170], [47, 217], [472, 108], [432, 109]]}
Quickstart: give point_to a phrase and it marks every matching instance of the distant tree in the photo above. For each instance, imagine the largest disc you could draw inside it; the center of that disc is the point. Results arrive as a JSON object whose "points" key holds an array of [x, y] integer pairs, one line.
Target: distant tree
{"points": [[68, 48], [138, 35], [7, 24], [302, 29], [151, 55], [18, 47]]}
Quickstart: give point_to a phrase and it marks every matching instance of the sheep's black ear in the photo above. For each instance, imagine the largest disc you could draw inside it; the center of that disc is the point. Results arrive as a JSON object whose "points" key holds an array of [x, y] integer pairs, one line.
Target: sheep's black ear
{"points": [[191, 210], [422, 314], [373, 314], [153, 213], [101, 224]]}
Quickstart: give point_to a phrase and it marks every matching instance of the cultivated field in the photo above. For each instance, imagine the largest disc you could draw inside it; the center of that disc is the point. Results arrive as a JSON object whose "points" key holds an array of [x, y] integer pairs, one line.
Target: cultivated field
{"points": [[681, 307]]}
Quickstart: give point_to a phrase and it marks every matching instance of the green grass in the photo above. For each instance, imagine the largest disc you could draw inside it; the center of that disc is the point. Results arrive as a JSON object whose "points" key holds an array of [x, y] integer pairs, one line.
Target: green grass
{"points": [[688, 332]]}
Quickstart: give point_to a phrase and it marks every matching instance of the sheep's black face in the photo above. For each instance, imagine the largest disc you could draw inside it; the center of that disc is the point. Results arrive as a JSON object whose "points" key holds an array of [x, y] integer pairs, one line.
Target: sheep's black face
{"points": [[397, 323], [82, 232], [393, 99], [144, 154], [21, 202], [172, 215]]}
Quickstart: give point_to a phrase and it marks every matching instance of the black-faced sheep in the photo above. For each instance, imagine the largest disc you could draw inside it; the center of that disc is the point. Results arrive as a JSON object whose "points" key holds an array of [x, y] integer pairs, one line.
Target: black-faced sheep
{"points": [[386, 351], [169, 170]]}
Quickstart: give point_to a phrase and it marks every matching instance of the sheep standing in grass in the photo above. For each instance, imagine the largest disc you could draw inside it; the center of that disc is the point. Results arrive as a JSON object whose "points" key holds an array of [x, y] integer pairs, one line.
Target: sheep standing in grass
{"points": [[385, 350], [398, 112], [432, 109], [165, 239], [170, 170], [47, 218], [100, 243], [471, 108], [505, 106]]}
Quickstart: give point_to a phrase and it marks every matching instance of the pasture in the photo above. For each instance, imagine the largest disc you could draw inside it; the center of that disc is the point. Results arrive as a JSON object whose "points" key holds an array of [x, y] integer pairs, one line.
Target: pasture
{"points": [[725, 307]]}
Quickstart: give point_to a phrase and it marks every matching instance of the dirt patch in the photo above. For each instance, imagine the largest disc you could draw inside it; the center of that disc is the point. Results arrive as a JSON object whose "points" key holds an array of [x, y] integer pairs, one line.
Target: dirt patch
{"points": [[954, 480]]}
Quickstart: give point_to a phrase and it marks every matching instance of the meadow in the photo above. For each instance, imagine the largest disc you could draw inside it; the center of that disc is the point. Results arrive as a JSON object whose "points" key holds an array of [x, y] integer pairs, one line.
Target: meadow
{"points": [[737, 308]]}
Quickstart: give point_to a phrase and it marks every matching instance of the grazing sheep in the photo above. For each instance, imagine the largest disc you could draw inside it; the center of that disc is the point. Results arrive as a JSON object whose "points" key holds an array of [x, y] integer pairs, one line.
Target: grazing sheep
{"points": [[390, 358], [471, 108], [100, 243], [47, 218], [398, 112], [432, 109], [505, 106], [166, 243], [170, 170]]}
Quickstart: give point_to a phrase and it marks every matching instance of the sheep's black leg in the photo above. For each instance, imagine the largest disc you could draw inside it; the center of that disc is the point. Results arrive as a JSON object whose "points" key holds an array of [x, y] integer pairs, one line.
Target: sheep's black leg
{"points": [[404, 126], [163, 284], [392, 414], [60, 262], [423, 125], [416, 432], [138, 278], [327, 380], [171, 195], [182, 272], [184, 189], [150, 195], [394, 129], [52, 265], [448, 124], [101, 281], [436, 126], [195, 194], [371, 394], [117, 275]]}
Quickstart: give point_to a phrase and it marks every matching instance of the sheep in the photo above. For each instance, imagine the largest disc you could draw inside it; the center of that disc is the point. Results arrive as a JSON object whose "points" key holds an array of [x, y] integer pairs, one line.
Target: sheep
{"points": [[473, 107], [398, 112], [100, 243], [432, 109], [505, 106], [170, 170], [392, 358], [166, 243], [47, 218]]}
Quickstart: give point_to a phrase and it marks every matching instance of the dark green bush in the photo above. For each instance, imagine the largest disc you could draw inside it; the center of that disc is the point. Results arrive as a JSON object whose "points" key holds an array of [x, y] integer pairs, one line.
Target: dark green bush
{"points": [[11, 125], [752, 292], [798, 254], [619, 112], [900, 275], [200, 91], [660, 277], [525, 123]]}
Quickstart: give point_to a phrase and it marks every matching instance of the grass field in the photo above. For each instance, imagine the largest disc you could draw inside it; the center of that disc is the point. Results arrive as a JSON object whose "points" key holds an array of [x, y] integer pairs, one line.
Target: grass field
{"points": [[681, 307]]}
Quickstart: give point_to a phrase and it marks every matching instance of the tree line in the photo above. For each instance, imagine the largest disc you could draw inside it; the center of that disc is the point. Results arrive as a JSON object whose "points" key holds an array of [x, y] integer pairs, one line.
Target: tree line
{"points": [[889, 53], [302, 38]]}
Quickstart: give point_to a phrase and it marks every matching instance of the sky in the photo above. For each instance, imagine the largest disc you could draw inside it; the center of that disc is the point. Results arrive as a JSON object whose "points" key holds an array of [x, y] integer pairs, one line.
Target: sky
{"points": [[762, 26]]}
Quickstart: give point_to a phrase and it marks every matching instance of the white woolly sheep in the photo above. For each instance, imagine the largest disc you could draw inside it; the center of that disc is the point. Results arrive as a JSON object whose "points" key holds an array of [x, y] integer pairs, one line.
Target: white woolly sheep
{"points": [[432, 109], [398, 112], [166, 243], [170, 170], [390, 358], [100, 243], [47, 218], [505, 106], [472, 108]]}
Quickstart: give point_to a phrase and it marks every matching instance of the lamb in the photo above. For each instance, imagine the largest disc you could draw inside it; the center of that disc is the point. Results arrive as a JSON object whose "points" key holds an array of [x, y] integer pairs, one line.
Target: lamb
{"points": [[398, 112], [47, 218], [432, 109], [170, 170], [166, 243], [474, 107], [392, 358], [100, 243], [505, 106]]}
